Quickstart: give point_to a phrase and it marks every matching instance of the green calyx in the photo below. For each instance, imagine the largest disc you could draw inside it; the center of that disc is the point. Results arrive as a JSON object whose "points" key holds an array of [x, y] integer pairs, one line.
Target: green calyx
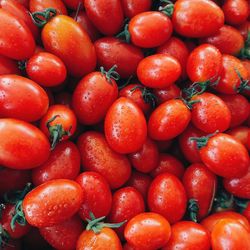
{"points": [[22, 64], [4, 238], [203, 140], [40, 18], [18, 216], [244, 83], [245, 52], [111, 74], [241, 204], [223, 199], [97, 224], [168, 9], [124, 35], [193, 210]]}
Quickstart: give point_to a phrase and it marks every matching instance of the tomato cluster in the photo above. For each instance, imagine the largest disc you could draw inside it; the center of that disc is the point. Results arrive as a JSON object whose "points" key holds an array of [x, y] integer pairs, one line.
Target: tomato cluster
{"points": [[124, 124]]}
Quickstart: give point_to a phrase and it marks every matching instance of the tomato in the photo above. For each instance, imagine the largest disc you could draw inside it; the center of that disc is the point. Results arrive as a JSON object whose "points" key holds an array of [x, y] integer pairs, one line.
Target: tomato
{"points": [[176, 48], [78, 54], [225, 156], [63, 236], [169, 164], [16, 139], [93, 96], [113, 51], [210, 113], [52, 203], [204, 63], [168, 120], [127, 203], [246, 211], [73, 4], [196, 177], [22, 98], [158, 71], [198, 18], [99, 13], [229, 234], [98, 197], [9, 46], [244, 29], [129, 247], [46, 69], [8, 66], [124, 113], [63, 163], [41, 5], [188, 235], [147, 231], [239, 187], [241, 133], [143, 25], [97, 156], [227, 39], [236, 11], [162, 197], [59, 123]]}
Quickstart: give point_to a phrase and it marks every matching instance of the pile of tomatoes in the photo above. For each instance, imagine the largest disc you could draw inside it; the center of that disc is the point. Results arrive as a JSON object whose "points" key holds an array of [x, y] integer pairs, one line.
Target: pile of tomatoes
{"points": [[124, 124]]}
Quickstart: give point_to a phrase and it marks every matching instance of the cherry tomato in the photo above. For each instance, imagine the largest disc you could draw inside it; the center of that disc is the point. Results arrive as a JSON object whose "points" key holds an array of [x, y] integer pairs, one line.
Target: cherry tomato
{"points": [[8, 66], [143, 25], [124, 113], [198, 18], [241, 133], [162, 197], [41, 5], [52, 203], [99, 157], [134, 7], [73, 4]]}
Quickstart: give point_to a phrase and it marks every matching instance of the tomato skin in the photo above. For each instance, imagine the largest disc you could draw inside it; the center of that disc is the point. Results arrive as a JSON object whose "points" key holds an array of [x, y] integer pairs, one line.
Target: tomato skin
{"points": [[25, 46], [127, 203], [158, 71], [162, 119], [198, 18], [99, 13], [204, 63], [147, 231], [243, 29], [143, 25], [16, 139], [112, 51], [210, 113], [187, 235], [63, 236], [98, 197], [93, 96], [52, 202], [97, 156], [124, 113], [227, 39], [73, 4], [229, 234], [21, 98], [225, 156], [79, 56], [133, 7], [41, 5], [63, 163], [242, 134], [162, 197], [8, 66]]}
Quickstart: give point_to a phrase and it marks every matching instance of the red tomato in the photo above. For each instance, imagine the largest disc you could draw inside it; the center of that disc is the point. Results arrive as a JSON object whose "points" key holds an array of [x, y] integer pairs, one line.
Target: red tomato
{"points": [[77, 54], [189, 236], [210, 113], [134, 7], [169, 164], [99, 157], [168, 120], [162, 197], [93, 96], [63, 163], [98, 197], [52, 203], [41, 5], [129, 247], [8, 66], [127, 203], [158, 71], [9, 46], [124, 113], [16, 139], [73, 4], [99, 13], [22, 98], [63, 236], [241, 133], [46, 69], [244, 29], [143, 25], [113, 51], [197, 18], [148, 231]]}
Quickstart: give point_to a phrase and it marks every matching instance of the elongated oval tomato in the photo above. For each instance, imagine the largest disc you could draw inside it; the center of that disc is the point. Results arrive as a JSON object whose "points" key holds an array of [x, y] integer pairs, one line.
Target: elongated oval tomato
{"points": [[197, 18], [16, 139], [242, 134], [22, 46], [134, 7], [78, 54], [22, 98], [99, 13], [8, 66], [52, 202], [125, 126]]}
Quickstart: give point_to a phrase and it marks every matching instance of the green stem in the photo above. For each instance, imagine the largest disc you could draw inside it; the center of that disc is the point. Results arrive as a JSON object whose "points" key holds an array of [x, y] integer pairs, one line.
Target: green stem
{"points": [[125, 35], [244, 83], [193, 209], [111, 74], [168, 9], [18, 216], [202, 141], [40, 18], [4, 238]]}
